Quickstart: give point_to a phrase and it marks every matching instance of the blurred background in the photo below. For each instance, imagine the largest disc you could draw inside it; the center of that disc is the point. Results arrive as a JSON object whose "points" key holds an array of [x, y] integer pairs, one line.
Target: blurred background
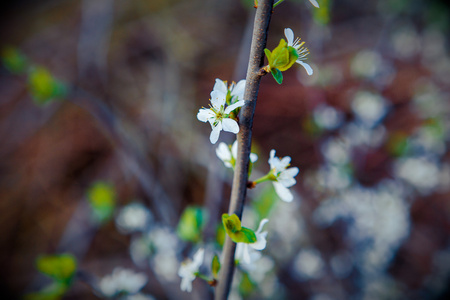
{"points": [[98, 112]]}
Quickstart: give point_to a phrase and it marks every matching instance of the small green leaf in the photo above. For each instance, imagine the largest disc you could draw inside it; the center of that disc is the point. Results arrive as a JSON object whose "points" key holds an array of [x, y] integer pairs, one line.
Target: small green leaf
{"points": [[54, 291], [245, 235], [277, 75], [191, 224], [44, 87], [231, 223], [102, 198], [215, 266], [269, 56], [60, 267], [14, 60], [246, 286]]}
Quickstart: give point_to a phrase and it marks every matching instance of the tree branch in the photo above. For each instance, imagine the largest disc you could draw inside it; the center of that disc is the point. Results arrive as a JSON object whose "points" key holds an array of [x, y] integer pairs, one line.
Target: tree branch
{"points": [[239, 189]]}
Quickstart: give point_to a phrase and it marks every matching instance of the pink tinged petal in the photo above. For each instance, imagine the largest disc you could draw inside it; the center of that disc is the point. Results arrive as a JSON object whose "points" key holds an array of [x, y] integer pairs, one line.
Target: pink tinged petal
{"points": [[253, 157], [283, 192], [232, 107], [230, 125], [289, 36], [314, 2], [217, 99], [234, 149], [308, 69], [220, 86], [214, 136]]}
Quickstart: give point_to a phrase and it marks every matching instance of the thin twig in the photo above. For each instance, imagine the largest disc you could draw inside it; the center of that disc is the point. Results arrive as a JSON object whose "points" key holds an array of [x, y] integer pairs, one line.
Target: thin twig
{"points": [[239, 189]]}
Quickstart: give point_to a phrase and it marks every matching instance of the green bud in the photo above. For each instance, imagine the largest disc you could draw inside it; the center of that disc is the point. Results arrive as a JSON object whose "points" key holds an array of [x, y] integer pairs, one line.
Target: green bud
{"points": [[102, 199], [215, 266], [235, 231], [282, 57], [191, 223]]}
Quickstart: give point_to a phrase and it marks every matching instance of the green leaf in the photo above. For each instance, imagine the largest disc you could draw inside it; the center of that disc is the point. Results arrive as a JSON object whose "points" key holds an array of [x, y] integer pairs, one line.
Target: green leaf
{"points": [[246, 286], [231, 223], [54, 291], [245, 235], [280, 55], [269, 56], [14, 60], [215, 266], [44, 87], [191, 224], [235, 231], [277, 75], [60, 267], [102, 198]]}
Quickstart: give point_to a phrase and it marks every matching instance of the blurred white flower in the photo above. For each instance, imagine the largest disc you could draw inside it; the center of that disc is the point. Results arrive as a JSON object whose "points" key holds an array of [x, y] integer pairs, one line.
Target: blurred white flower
{"points": [[165, 265], [297, 45], [133, 217], [245, 251], [284, 177], [328, 117], [189, 268], [218, 116], [314, 2], [236, 90], [122, 280], [420, 172], [308, 264], [369, 108], [229, 157], [139, 296]]}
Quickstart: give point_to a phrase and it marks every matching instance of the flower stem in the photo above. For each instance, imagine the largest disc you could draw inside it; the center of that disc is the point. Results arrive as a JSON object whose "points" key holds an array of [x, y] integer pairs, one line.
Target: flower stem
{"points": [[239, 189], [267, 177]]}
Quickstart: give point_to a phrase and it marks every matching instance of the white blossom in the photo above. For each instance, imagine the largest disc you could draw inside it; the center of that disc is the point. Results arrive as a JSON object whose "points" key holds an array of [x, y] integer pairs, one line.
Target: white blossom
{"points": [[301, 51], [228, 156], [284, 176], [133, 217], [245, 251], [189, 268], [122, 280], [236, 90], [314, 2], [218, 116]]}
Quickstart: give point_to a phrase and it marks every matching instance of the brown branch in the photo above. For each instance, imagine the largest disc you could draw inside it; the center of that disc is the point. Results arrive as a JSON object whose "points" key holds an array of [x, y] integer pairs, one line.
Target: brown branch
{"points": [[244, 137]]}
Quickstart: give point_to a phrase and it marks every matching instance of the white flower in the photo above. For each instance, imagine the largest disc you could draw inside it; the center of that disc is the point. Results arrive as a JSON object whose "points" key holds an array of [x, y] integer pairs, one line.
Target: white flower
{"points": [[246, 253], [284, 177], [189, 268], [301, 51], [229, 157], [122, 280], [236, 90], [218, 116], [133, 217], [314, 2]]}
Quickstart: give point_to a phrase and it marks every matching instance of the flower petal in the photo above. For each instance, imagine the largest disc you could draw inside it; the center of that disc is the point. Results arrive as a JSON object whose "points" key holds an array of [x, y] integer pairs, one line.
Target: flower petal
{"points": [[230, 125], [223, 152], [239, 89], [204, 114], [232, 107], [217, 99], [314, 2], [261, 225], [234, 149], [220, 86], [253, 157], [283, 192], [307, 67], [214, 136], [289, 36]]}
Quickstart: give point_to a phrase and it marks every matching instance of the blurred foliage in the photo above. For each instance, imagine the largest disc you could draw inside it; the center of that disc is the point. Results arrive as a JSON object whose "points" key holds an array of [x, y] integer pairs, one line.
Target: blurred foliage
{"points": [[102, 198], [191, 224], [14, 60], [61, 268], [215, 266], [264, 201], [44, 87], [246, 286], [321, 15], [397, 144]]}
